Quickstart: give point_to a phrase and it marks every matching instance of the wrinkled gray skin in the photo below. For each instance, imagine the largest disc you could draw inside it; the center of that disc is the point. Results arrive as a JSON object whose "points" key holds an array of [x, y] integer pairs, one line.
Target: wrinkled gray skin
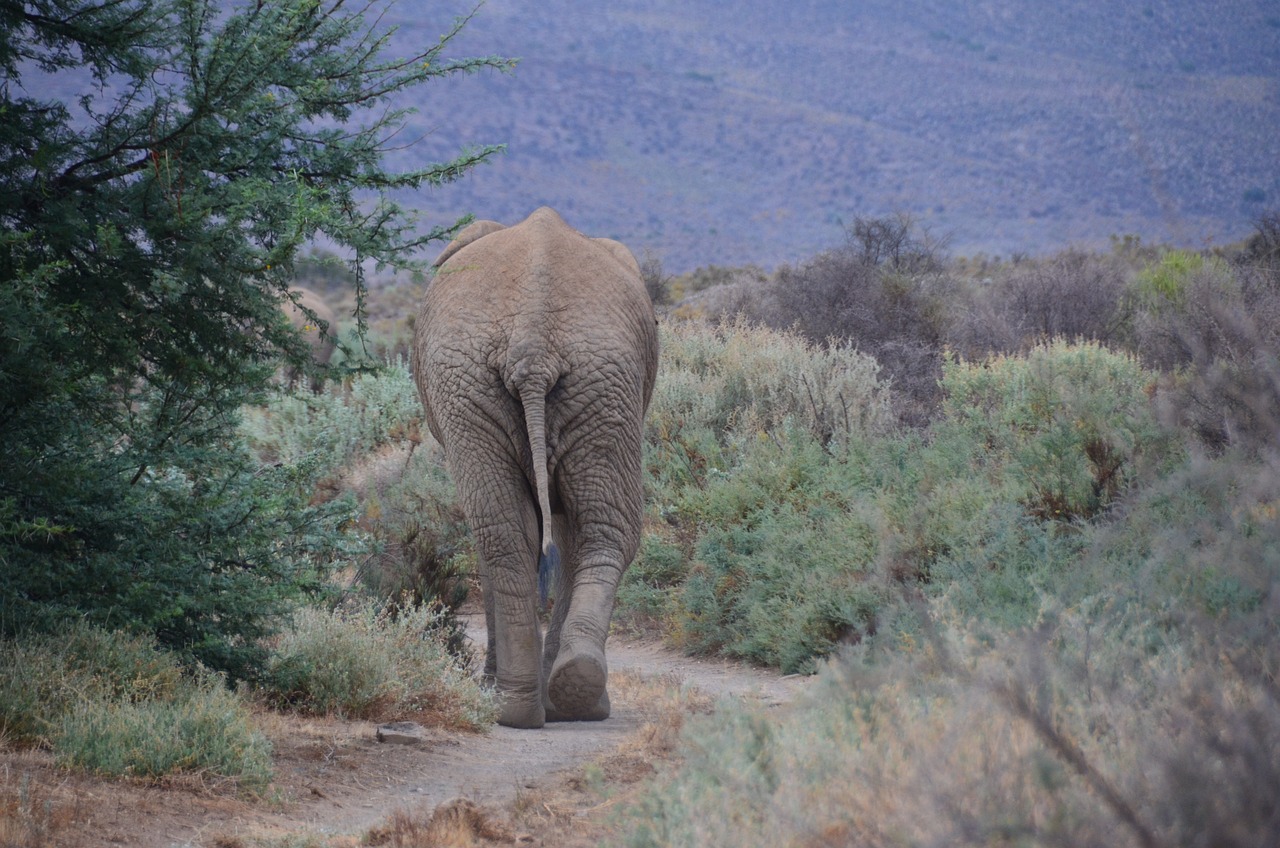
{"points": [[535, 353], [318, 331]]}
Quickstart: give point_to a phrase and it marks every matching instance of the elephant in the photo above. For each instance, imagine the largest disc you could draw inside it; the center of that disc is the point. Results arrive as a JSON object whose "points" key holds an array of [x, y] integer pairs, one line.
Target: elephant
{"points": [[535, 355], [318, 328]]}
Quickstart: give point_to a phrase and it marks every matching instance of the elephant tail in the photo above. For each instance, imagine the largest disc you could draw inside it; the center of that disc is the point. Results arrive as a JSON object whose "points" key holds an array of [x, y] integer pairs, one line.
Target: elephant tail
{"points": [[534, 401]]}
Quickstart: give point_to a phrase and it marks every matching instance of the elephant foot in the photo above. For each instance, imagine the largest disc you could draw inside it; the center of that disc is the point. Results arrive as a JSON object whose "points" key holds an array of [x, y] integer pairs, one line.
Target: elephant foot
{"points": [[519, 713], [599, 712], [577, 686]]}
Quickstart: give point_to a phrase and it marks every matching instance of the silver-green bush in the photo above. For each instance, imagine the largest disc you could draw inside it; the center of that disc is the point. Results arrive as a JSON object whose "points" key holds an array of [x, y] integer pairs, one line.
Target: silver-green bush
{"points": [[368, 660]]}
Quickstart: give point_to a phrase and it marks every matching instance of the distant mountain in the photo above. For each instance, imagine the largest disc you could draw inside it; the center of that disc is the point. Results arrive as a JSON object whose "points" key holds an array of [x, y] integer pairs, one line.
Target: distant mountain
{"points": [[738, 132], [748, 132]]}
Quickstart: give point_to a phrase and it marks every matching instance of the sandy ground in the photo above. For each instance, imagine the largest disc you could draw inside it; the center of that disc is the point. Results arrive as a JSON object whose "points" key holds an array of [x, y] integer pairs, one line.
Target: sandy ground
{"points": [[336, 782]]}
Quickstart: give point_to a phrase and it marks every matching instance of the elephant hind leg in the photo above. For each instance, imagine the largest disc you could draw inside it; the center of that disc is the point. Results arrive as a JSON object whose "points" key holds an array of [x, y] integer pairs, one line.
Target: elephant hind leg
{"points": [[577, 685], [504, 528]]}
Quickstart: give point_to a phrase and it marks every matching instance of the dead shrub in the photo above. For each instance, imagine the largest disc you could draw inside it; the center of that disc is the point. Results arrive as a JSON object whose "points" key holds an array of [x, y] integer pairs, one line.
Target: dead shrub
{"points": [[885, 291], [1220, 348], [1074, 295]]}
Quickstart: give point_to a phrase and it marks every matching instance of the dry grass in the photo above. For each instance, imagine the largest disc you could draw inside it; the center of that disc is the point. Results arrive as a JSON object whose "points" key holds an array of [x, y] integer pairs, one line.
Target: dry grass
{"points": [[33, 812], [581, 809], [460, 823]]}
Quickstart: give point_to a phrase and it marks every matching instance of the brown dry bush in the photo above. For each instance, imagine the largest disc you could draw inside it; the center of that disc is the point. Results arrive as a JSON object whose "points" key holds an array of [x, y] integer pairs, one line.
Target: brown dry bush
{"points": [[1262, 248], [1074, 295], [657, 282], [725, 295], [1220, 349], [887, 292]]}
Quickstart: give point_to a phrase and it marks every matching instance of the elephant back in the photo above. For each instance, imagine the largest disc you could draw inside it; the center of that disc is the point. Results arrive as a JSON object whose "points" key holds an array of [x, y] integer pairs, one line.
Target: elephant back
{"points": [[541, 279]]}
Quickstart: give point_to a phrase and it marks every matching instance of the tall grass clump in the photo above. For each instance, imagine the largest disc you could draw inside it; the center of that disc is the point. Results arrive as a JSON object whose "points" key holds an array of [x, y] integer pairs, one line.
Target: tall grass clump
{"points": [[207, 730], [117, 705], [374, 661]]}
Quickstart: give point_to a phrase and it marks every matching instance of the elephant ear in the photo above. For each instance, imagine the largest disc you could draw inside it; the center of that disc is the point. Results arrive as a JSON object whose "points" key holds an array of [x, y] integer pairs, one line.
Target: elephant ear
{"points": [[472, 232], [620, 252]]}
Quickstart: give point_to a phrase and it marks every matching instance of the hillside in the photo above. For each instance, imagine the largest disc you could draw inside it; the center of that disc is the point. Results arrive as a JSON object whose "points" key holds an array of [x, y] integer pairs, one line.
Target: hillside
{"points": [[713, 133]]}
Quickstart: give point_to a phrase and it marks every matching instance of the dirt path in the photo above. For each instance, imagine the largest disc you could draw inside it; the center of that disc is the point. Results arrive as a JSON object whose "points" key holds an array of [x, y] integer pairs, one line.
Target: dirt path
{"points": [[337, 781], [495, 768]]}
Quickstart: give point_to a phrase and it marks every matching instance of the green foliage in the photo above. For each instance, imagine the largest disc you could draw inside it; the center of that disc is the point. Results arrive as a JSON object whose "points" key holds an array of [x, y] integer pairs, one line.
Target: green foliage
{"points": [[366, 438], [776, 548], [339, 425], [646, 595], [746, 434], [1071, 421], [207, 730], [782, 562], [1164, 285], [1098, 723], [204, 551], [118, 705], [148, 230], [1067, 638], [367, 660]]}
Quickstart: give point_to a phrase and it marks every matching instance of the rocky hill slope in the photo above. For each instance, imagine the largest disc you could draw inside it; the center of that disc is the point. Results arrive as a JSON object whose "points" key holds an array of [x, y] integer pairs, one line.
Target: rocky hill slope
{"points": [[748, 132]]}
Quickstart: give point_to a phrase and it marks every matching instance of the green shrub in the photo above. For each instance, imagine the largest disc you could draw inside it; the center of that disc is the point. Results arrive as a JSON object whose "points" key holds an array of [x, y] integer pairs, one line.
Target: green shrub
{"points": [[1072, 422], [118, 705], [338, 424], [368, 440], [739, 379], [42, 677], [206, 730], [367, 660], [331, 663], [201, 548], [768, 546], [1208, 534], [1163, 286], [783, 588], [783, 565], [648, 593], [1147, 667]]}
